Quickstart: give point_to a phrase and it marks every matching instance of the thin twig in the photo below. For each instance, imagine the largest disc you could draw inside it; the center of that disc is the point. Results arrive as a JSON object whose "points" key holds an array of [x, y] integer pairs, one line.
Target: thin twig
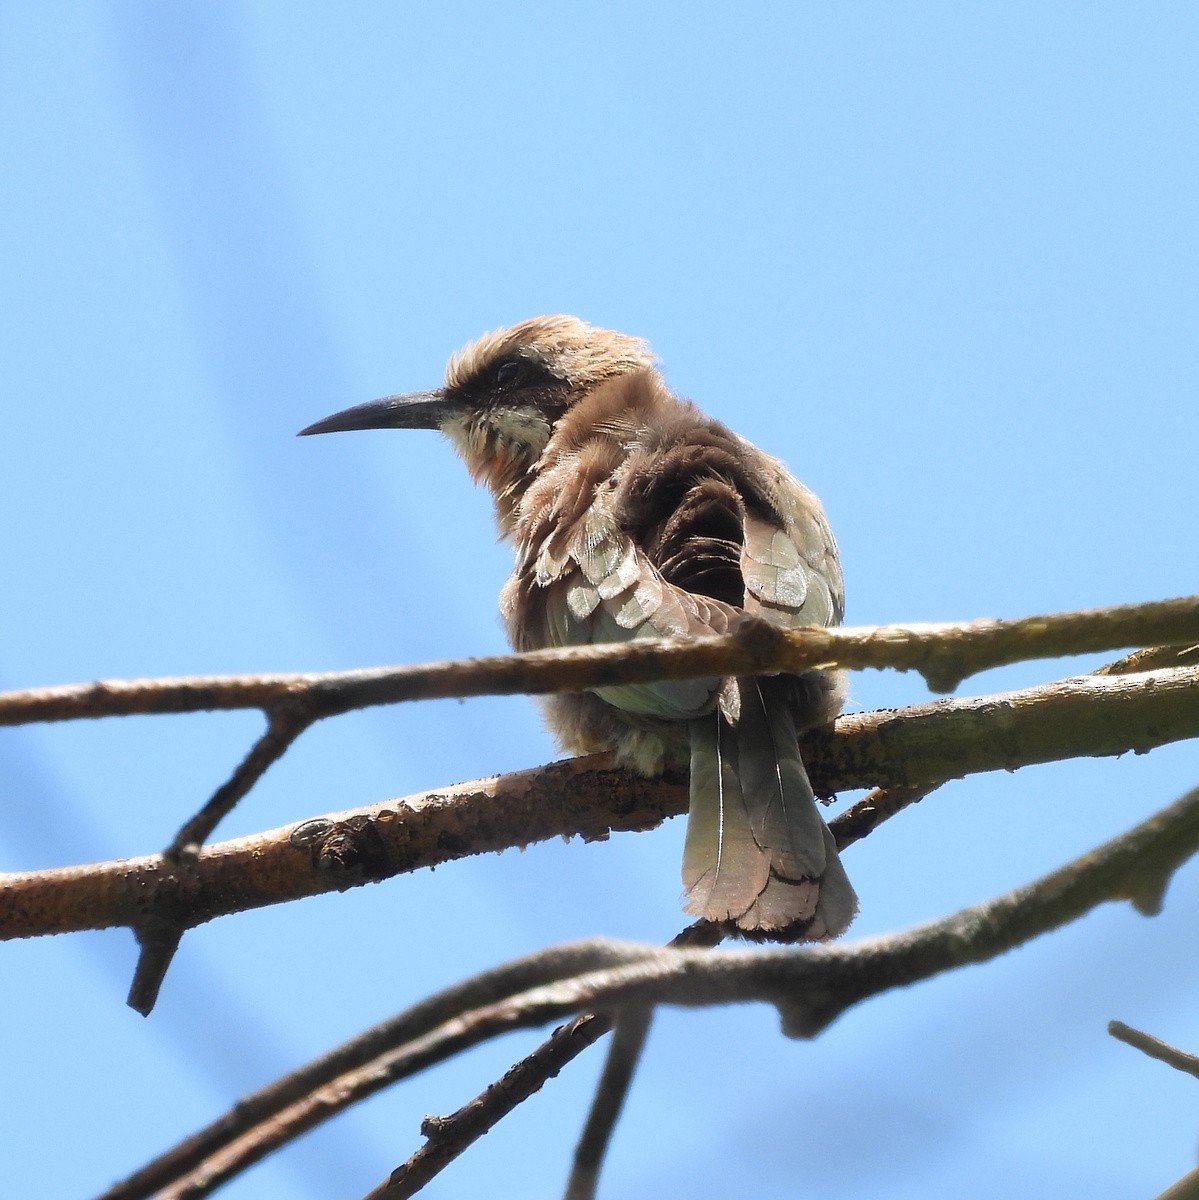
{"points": [[1153, 658], [624, 1053], [160, 930], [447, 1137], [476, 1118], [1180, 1060], [412, 1040], [906, 748], [157, 940], [944, 653], [285, 723], [864, 817]]}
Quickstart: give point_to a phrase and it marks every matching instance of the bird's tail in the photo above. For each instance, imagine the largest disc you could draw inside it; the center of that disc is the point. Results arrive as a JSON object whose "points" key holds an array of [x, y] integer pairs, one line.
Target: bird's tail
{"points": [[757, 851]]}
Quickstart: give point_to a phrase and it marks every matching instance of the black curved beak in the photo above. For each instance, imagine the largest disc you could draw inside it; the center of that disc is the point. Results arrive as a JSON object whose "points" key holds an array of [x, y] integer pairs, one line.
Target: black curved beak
{"points": [[412, 410]]}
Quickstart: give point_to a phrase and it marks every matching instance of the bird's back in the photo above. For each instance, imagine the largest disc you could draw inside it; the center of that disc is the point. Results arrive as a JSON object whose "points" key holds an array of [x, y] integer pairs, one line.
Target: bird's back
{"points": [[638, 489]]}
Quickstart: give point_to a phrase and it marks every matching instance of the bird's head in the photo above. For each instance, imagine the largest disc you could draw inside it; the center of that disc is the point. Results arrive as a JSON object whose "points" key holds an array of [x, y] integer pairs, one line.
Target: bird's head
{"points": [[505, 392]]}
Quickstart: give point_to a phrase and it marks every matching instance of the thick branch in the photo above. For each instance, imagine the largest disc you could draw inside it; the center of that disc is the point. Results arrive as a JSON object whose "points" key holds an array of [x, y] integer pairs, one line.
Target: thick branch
{"points": [[944, 653], [588, 797], [812, 986]]}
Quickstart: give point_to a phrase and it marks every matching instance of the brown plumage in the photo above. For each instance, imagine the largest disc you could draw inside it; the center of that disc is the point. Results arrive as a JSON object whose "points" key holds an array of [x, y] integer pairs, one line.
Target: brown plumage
{"points": [[634, 515]]}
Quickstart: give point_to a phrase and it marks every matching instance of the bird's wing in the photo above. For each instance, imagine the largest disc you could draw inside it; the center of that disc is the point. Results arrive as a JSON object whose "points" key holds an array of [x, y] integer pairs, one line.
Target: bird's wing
{"points": [[789, 558], [756, 851], [584, 577], [593, 584]]}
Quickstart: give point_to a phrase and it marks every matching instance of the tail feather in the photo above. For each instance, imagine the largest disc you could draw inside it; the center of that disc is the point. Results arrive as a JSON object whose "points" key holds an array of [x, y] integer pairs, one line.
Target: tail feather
{"points": [[723, 867], [757, 851], [778, 795], [838, 901]]}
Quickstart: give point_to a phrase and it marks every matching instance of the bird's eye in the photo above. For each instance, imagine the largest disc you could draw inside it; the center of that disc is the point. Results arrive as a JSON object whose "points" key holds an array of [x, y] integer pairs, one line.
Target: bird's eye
{"points": [[507, 373]]}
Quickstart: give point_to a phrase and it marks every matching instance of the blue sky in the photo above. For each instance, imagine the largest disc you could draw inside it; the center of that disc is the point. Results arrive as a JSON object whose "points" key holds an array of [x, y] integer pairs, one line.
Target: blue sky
{"points": [[941, 258]]}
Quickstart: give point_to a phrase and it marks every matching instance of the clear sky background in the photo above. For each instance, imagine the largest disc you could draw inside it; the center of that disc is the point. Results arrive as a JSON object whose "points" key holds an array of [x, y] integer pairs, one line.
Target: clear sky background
{"points": [[940, 257]]}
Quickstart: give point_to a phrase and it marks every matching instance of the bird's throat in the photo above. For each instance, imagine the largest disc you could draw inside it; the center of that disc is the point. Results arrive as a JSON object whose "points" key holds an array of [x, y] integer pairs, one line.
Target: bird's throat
{"points": [[501, 454]]}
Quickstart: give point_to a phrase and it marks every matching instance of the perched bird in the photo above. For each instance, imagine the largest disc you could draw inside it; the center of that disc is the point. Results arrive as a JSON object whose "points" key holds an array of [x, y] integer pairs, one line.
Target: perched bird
{"points": [[634, 515]]}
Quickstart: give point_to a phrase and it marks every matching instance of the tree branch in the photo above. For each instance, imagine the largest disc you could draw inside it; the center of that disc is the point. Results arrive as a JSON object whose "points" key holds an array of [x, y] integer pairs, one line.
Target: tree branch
{"points": [[811, 987], [588, 797], [407, 1043], [944, 654], [1180, 1060], [1187, 1188], [474, 1119], [447, 1137], [628, 1041], [159, 932]]}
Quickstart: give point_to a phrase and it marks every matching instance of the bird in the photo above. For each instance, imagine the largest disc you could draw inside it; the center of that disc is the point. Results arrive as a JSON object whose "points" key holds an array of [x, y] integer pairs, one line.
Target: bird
{"points": [[632, 514]]}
